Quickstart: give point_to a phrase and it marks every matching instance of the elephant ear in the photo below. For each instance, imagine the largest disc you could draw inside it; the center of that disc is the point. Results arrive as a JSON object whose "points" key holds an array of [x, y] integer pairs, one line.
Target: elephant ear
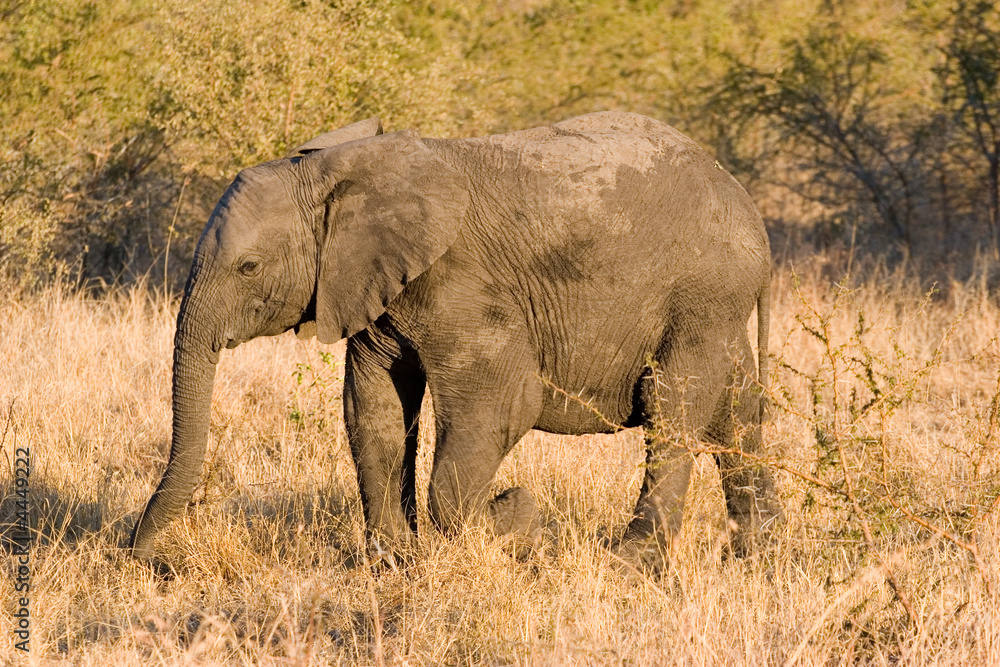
{"points": [[392, 208], [370, 127]]}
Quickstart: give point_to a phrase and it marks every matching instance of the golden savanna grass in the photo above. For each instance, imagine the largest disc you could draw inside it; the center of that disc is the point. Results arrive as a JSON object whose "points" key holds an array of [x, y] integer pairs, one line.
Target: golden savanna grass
{"points": [[885, 422]]}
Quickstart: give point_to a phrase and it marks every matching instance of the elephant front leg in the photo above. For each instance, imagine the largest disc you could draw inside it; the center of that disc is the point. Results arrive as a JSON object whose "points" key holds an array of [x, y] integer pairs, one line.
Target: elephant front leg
{"points": [[475, 432], [383, 392]]}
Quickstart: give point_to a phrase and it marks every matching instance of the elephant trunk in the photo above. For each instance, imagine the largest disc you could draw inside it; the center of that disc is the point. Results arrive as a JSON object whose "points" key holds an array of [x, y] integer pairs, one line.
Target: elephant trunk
{"points": [[195, 359]]}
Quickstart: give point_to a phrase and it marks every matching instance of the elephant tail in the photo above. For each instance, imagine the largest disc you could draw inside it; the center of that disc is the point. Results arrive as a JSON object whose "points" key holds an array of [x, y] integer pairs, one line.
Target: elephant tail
{"points": [[763, 325]]}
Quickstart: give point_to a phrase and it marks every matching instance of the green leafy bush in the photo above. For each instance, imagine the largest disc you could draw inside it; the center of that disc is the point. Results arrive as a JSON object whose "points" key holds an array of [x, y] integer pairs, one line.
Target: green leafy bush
{"points": [[121, 121]]}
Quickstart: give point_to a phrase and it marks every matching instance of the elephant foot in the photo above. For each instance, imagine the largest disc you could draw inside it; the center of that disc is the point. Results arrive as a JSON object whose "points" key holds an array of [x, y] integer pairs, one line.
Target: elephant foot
{"points": [[641, 556], [515, 514], [645, 549], [754, 532], [390, 553]]}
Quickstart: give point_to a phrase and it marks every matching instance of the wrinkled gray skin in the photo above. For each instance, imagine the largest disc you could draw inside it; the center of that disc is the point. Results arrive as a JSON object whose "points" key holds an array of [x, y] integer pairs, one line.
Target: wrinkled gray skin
{"points": [[607, 256]]}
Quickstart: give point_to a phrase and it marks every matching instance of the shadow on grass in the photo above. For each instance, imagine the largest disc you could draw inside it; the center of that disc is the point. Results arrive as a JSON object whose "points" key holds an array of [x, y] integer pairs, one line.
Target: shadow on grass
{"points": [[308, 527], [234, 629], [284, 525], [298, 530], [51, 515]]}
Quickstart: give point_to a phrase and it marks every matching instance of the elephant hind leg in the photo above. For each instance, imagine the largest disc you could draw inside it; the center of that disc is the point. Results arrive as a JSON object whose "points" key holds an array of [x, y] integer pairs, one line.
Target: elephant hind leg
{"points": [[751, 500], [678, 395]]}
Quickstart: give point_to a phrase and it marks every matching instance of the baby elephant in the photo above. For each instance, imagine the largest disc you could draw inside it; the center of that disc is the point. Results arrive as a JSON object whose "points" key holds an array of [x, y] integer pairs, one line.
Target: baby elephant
{"points": [[578, 278]]}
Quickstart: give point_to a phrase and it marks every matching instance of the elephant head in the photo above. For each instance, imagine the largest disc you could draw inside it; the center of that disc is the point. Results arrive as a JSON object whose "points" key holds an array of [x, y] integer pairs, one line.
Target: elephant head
{"points": [[324, 238]]}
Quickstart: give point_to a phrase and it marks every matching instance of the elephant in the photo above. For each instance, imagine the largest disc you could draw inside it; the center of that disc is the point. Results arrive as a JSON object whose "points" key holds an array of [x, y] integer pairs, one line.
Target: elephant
{"points": [[584, 277]]}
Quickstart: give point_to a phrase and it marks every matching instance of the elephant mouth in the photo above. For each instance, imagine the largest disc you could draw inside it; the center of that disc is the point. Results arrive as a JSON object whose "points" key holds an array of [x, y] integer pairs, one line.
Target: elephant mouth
{"points": [[306, 326], [305, 330]]}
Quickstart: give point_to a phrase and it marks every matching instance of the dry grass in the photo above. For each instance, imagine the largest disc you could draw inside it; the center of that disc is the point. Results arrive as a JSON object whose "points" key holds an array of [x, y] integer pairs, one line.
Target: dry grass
{"points": [[268, 566]]}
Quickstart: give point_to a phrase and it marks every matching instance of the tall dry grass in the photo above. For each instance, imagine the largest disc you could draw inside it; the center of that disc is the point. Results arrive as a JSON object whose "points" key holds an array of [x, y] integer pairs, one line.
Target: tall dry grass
{"points": [[886, 435]]}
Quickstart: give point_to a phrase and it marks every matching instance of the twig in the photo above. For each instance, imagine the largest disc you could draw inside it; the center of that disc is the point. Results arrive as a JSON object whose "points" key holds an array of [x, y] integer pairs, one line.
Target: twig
{"points": [[832, 354], [615, 428], [170, 232], [288, 112], [970, 546]]}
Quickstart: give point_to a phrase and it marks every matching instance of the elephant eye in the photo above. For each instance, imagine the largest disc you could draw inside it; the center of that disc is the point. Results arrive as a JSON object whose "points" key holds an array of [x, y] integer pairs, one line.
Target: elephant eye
{"points": [[249, 267]]}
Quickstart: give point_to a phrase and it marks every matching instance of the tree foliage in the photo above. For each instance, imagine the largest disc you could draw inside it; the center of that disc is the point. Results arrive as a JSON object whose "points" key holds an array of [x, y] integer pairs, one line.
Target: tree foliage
{"points": [[829, 106], [970, 79], [122, 120]]}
